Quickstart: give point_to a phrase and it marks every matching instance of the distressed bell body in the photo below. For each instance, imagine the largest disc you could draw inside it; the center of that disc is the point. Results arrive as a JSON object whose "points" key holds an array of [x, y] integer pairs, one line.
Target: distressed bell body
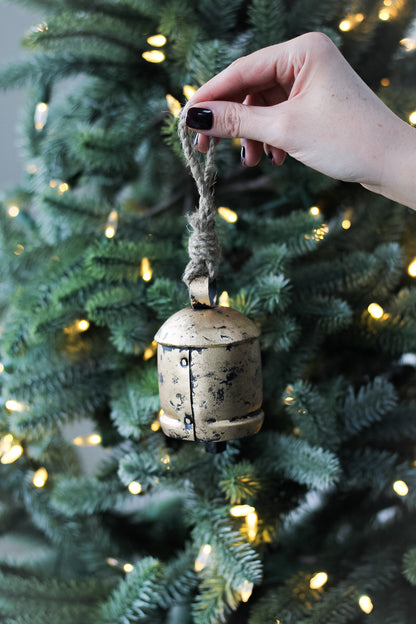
{"points": [[210, 381]]}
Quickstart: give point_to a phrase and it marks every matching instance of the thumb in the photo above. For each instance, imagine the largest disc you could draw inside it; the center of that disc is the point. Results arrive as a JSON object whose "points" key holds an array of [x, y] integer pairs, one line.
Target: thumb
{"points": [[233, 120]]}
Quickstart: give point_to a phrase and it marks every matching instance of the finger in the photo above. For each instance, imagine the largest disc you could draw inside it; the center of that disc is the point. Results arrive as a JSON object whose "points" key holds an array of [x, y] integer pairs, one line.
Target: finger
{"points": [[256, 72], [234, 120], [275, 155]]}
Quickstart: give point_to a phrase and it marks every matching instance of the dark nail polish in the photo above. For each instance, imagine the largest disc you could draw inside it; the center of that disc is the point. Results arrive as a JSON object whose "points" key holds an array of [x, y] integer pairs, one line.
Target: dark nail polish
{"points": [[200, 118], [243, 156]]}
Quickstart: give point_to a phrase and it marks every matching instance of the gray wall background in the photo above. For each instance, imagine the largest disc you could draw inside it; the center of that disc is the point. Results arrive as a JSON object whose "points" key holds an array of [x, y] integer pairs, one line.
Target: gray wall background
{"points": [[14, 22]]}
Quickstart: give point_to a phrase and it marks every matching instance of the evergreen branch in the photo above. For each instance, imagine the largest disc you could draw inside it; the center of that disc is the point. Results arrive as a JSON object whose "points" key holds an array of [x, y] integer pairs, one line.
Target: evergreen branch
{"points": [[135, 599], [87, 495], [240, 482], [262, 13], [368, 468], [305, 464], [369, 405], [409, 565], [135, 402]]}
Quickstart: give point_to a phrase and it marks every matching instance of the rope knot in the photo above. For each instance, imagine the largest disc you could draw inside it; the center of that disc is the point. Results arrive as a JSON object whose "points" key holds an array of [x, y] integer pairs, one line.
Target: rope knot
{"points": [[203, 246]]}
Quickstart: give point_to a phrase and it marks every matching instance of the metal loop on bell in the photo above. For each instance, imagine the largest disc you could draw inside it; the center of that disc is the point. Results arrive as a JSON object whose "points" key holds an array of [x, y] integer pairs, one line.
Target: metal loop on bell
{"points": [[203, 293]]}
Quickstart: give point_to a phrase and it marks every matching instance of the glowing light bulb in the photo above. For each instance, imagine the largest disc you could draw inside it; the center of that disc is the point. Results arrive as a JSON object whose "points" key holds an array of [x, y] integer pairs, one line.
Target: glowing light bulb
{"points": [[41, 115], [155, 426], [401, 488], [224, 299], [128, 567], [411, 269], [227, 214], [318, 580], [1, 368], [13, 210], [385, 82], [150, 351], [146, 270], [153, 56], [408, 44], [40, 477], [188, 91], [245, 590], [384, 15], [346, 224], [111, 225], [135, 487], [375, 310], [365, 604], [203, 557], [19, 249], [87, 440], [63, 187], [82, 325], [31, 168], [412, 117], [157, 40], [252, 524], [173, 104], [314, 210], [241, 511], [14, 406], [12, 454], [345, 25], [112, 561]]}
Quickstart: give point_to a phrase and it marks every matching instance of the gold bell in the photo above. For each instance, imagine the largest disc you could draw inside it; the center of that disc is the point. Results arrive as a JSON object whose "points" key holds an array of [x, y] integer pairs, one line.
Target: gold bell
{"points": [[209, 368]]}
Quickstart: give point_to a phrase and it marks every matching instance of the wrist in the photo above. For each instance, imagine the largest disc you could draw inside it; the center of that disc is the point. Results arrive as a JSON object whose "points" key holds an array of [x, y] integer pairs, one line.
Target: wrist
{"points": [[397, 180]]}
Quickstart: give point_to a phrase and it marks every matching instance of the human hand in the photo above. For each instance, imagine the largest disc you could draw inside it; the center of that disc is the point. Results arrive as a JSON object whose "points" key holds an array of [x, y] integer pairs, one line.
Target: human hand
{"points": [[303, 98]]}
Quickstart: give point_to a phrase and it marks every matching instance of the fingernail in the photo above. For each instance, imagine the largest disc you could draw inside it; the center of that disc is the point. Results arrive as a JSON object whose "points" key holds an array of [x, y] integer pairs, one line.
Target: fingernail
{"points": [[196, 140], [243, 156], [200, 118]]}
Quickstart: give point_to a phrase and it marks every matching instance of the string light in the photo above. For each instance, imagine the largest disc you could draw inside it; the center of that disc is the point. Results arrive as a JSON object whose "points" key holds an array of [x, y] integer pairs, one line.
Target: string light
{"points": [[14, 406], [227, 214], [314, 211], [155, 426], [319, 233], [252, 525], [40, 477], [412, 117], [375, 310], [146, 270], [245, 590], [224, 299], [166, 460], [385, 82], [365, 604], [203, 557], [150, 351], [41, 115], [13, 210], [12, 454], [188, 91], [401, 488], [384, 14], [346, 224], [31, 168], [63, 187], [408, 44], [19, 249], [241, 511], [351, 21], [111, 225], [135, 487], [82, 325], [411, 269], [153, 56], [318, 580], [1, 368], [173, 104], [128, 567], [88, 440], [157, 40]]}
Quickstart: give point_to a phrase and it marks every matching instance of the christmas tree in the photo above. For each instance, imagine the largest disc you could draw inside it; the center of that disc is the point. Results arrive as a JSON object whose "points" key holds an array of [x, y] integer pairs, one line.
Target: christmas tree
{"points": [[312, 519]]}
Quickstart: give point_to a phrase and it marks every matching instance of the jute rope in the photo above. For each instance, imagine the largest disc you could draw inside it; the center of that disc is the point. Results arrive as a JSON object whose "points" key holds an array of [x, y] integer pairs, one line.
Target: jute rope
{"points": [[203, 246]]}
